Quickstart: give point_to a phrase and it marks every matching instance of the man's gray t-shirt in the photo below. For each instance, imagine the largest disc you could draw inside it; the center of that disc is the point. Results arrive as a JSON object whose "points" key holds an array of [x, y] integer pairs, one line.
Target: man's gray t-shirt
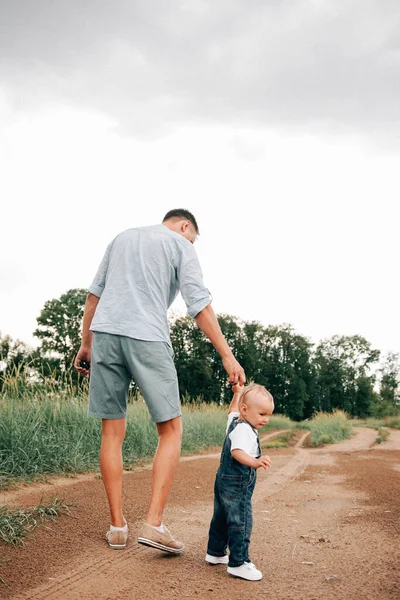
{"points": [[140, 276]]}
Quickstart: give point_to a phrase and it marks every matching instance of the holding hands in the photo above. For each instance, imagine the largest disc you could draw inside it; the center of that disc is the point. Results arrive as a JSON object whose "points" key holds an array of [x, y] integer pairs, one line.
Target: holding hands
{"points": [[237, 388]]}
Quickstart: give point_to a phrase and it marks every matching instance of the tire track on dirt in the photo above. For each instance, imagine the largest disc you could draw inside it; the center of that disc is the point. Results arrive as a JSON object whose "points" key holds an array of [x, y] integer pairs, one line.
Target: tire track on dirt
{"points": [[91, 571], [275, 481]]}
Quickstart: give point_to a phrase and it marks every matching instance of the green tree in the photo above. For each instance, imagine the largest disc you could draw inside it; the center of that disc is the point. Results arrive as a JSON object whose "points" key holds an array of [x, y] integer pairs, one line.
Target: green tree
{"points": [[14, 356], [344, 377], [59, 328], [388, 401], [276, 357], [193, 360], [287, 369]]}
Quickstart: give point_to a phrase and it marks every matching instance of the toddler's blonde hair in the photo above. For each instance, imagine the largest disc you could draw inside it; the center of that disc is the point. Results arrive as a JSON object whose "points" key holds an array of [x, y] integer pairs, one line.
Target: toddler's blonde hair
{"points": [[254, 388]]}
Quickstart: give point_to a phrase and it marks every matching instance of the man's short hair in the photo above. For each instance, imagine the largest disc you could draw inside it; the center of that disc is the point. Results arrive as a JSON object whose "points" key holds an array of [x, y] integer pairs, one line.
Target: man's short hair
{"points": [[182, 213]]}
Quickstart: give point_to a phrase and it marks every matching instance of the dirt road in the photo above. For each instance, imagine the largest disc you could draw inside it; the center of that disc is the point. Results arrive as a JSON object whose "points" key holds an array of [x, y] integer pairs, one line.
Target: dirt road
{"points": [[326, 526]]}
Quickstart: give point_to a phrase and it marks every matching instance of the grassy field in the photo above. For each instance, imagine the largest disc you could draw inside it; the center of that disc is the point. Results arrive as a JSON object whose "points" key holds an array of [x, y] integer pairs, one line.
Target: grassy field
{"points": [[50, 433], [281, 442], [329, 428], [393, 422], [45, 430], [55, 435]]}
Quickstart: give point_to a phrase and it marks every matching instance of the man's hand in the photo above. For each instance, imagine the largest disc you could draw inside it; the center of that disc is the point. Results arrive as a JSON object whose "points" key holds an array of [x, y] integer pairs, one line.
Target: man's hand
{"points": [[235, 371], [263, 462], [83, 354]]}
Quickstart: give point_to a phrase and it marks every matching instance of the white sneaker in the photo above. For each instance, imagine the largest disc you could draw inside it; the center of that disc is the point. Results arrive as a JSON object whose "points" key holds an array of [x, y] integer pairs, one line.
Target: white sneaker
{"points": [[246, 571], [217, 560]]}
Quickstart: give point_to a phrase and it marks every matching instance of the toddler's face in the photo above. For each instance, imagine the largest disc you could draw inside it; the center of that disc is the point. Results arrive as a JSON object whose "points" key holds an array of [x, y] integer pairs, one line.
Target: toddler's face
{"points": [[257, 409]]}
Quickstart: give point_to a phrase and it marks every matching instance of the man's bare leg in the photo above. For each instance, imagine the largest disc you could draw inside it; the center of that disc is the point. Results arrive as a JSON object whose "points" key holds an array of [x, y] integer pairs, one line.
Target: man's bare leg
{"points": [[165, 463], [111, 466]]}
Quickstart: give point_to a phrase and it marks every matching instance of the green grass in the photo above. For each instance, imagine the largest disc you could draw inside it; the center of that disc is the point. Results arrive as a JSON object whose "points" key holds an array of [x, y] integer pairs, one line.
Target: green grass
{"points": [[393, 422], [282, 441], [16, 524], [372, 422], [275, 444], [46, 431], [329, 428], [49, 435], [280, 422], [383, 435]]}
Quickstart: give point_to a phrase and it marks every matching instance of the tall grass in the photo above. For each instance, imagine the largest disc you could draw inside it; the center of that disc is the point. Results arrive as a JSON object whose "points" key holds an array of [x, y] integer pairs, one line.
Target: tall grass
{"points": [[329, 428], [44, 429], [51, 433], [280, 422], [393, 422], [383, 435]]}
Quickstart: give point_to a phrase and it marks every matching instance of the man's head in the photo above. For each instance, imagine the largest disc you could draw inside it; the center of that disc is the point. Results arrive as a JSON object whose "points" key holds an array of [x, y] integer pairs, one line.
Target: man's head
{"points": [[256, 404], [183, 222]]}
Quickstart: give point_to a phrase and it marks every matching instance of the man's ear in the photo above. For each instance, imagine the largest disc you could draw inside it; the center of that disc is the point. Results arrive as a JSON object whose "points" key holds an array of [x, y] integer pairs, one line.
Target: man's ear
{"points": [[185, 225]]}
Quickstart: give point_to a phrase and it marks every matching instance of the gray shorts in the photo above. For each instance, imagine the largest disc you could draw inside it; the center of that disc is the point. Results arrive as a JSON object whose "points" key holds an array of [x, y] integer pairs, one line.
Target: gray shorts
{"points": [[115, 361]]}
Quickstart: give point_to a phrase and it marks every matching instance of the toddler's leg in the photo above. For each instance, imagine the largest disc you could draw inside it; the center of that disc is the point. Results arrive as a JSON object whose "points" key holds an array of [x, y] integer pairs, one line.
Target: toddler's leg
{"points": [[239, 528], [239, 518], [218, 533], [235, 513], [248, 525]]}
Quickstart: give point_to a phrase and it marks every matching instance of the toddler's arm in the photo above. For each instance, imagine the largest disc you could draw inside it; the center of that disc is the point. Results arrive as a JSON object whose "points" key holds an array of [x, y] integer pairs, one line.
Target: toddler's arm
{"points": [[237, 390], [245, 459]]}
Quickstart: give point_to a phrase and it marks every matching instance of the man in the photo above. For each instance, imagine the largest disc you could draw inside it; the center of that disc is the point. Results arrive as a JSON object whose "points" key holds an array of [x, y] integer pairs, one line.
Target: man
{"points": [[126, 336]]}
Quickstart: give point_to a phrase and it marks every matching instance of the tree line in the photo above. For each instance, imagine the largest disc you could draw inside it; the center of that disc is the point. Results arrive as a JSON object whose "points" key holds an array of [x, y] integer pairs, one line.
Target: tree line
{"points": [[342, 372]]}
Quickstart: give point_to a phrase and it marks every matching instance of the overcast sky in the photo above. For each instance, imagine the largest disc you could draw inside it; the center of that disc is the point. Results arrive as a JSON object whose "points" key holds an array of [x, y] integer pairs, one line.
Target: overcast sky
{"points": [[276, 122]]}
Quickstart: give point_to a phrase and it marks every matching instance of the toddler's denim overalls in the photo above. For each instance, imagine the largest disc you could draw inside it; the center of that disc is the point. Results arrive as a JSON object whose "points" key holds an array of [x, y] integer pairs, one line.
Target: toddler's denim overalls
{"points": [[232, 519]]}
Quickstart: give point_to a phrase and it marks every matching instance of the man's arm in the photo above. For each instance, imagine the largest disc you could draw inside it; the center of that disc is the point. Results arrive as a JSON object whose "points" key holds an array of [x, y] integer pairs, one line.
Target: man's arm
{"points": [[208, 323], [86, 345]]}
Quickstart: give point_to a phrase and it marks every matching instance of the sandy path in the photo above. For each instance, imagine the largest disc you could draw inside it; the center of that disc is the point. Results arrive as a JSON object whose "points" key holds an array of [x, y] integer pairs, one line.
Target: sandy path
{"points": [[362, 439], [326, 514]]}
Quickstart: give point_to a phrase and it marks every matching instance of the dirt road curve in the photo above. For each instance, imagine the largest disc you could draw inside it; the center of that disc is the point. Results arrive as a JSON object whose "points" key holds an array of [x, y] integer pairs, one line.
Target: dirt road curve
{"points": [[326, 528]]}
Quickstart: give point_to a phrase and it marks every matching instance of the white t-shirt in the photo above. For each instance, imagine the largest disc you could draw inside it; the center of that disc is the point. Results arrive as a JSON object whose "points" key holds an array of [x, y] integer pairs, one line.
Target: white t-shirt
{"points": [[243, 437]]}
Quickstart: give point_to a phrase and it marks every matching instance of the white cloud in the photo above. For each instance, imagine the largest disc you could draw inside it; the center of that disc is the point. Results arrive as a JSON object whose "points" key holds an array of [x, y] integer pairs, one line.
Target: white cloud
{"points": [[297, 230], [292, 65], [276, 123]]}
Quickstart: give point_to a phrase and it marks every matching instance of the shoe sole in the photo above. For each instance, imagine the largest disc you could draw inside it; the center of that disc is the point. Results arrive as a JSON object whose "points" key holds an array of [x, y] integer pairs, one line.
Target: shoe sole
{"points": [[152, 544], [117, 546], [244, 578]]}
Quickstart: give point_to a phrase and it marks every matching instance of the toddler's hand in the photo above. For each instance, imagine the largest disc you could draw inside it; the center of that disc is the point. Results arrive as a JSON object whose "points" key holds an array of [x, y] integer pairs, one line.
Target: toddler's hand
{"points": [[263, 462], [237, 388]]}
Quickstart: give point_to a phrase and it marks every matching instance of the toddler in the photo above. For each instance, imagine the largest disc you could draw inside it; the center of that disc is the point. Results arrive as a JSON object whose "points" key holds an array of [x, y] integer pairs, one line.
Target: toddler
{"points": [[232, 521]]}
